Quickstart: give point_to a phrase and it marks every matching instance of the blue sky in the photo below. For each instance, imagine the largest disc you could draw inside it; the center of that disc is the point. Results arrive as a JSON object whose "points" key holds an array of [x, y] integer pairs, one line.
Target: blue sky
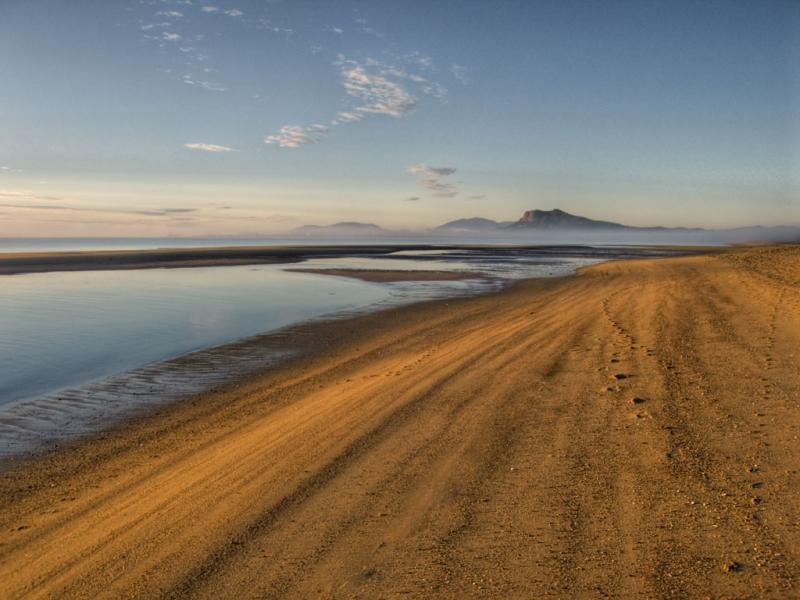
{"points": [[254, 116]]}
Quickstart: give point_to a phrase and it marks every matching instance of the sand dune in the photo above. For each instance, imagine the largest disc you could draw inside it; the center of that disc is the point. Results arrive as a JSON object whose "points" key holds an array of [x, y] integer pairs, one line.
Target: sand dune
{"points": [[629, 432]]}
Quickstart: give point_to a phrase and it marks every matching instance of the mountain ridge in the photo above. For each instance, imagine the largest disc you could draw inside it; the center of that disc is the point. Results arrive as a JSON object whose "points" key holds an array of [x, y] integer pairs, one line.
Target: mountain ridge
{"points": [[548, 223]]}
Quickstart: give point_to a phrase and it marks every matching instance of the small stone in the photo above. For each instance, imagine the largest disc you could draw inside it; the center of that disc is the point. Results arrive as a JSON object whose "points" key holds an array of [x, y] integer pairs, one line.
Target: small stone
{"points": [[731, 566], [637, 400]]}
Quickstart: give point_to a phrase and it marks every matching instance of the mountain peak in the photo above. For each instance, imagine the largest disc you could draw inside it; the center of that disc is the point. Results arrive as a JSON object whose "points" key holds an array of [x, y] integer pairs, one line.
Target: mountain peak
{"points": [[559, 219]]}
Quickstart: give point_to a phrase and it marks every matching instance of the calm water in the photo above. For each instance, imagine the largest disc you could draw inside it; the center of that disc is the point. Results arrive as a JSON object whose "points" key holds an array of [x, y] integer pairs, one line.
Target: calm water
{"points": [[64, 329], [77, 348]]}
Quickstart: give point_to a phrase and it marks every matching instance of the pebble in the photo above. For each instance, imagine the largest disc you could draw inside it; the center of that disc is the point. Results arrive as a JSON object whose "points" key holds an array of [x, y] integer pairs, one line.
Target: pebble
{"points": [[731, 566]]}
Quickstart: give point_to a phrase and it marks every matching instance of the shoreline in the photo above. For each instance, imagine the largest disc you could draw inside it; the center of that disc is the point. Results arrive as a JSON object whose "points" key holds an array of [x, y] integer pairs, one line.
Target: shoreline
{"points": [[434, 434], [237, 359], [304, 341], [243, 360], [117, 397], [17, 263]]}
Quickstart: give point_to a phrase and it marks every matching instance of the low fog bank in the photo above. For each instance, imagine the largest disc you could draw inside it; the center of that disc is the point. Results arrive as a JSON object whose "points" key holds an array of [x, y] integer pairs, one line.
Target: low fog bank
{"points": [[628, 236]]}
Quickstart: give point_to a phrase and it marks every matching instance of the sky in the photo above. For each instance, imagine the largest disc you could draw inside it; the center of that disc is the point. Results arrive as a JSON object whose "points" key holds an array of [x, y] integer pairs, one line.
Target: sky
{"points": [[250, 117]]}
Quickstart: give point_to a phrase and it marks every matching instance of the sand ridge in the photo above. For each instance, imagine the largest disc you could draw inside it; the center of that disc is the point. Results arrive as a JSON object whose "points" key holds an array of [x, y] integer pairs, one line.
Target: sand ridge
{"points": [[629, 432]]}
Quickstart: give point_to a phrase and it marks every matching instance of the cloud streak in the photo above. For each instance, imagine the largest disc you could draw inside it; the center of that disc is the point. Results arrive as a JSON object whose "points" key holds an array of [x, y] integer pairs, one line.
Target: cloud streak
{"points": [[430, 172], [433, 179], [27, 200], [294, 136], [209, 147], [202, 83]]}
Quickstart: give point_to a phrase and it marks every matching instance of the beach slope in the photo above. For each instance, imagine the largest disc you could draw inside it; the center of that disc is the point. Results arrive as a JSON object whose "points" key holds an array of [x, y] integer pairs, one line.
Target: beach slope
{"points": [[630, 432]]}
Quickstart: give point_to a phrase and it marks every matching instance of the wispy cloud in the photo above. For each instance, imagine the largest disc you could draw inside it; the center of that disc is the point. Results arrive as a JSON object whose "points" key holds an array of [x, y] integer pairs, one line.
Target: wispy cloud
{"points": [[201, 83], [208, 147], [376, 93], [365, 27], [432, 178], [7, 169], [411, 199], [460, 73], [393, 85], [37, 205], [430, 172], [26, 195], [294, 136], [349, 116]]}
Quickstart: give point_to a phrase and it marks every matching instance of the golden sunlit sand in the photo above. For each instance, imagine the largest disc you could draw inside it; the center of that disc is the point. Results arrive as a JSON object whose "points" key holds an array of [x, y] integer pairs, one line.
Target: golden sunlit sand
{"points": [[629, 432]]}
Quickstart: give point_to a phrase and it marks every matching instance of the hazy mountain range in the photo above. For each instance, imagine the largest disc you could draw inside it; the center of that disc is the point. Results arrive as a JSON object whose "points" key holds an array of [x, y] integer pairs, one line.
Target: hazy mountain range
{"points": [[552, 225]]}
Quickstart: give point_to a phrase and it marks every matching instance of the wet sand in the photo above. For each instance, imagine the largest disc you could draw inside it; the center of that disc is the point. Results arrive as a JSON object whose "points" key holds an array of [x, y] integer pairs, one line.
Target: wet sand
{"points": [[388, 276], [629, 432]]}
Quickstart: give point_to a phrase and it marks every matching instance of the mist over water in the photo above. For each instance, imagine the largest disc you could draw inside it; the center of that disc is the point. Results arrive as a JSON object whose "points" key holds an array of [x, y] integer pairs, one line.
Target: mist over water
{"points": [[633, 236]]}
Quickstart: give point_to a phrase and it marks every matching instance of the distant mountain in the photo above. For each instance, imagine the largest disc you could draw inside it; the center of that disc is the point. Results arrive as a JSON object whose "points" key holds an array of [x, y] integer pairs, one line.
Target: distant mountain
{"points": [[531, 219], [346, 228], [472, 224], [556, 224], [558, 219]]}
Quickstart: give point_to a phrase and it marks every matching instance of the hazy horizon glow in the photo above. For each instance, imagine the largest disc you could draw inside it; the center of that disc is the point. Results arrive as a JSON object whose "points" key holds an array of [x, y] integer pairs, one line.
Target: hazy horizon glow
{"points": [[251, 117]]}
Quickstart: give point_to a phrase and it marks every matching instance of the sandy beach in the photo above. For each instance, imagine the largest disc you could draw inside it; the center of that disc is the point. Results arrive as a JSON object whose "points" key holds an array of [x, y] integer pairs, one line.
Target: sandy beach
{"points": [[630, 432]]}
